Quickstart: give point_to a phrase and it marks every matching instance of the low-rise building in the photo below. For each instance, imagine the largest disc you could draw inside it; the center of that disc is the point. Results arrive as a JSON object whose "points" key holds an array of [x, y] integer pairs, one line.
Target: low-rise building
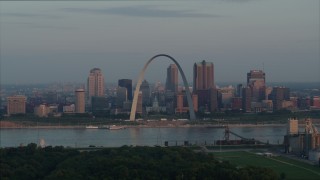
{"points": [[16, 104], [182, 106], [69, 108], [41, 111]]}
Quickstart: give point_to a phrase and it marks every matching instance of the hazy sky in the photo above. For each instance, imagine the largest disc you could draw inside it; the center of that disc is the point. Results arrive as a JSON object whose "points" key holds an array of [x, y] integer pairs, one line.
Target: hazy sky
{"points": [[61, 41]]}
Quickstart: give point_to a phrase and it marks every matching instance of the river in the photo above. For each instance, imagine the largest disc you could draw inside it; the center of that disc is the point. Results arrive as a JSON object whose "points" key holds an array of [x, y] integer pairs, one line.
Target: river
{"points": [[135, 136]]}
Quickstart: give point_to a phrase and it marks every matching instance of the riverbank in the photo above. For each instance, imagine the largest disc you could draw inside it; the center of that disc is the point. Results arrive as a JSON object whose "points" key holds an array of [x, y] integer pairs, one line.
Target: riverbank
{"points": [[140, 124], [13, 125]]}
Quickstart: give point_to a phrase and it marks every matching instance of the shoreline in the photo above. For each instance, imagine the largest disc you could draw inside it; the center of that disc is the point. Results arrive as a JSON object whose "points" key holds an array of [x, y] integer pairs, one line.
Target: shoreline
{"points": [[145, 126], [153, 124]]}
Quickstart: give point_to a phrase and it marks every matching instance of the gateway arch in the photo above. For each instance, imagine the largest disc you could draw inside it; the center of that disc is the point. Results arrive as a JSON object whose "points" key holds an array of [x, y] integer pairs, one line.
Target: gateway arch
{"points": [[141, 77]]}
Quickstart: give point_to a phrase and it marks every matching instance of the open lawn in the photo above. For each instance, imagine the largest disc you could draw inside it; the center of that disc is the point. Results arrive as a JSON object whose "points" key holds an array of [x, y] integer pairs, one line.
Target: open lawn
{"points": [[291, 168]]}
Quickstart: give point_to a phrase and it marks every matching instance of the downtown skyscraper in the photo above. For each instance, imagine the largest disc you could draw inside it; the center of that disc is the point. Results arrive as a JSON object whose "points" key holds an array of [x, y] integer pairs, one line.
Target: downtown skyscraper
{"points": [[171, 88], [95, 84], [278, 96], [203, 86], [172, 78], [203, 76], [246, 99], [126, 83], [256, 80], [146, 93], [80, 101]]}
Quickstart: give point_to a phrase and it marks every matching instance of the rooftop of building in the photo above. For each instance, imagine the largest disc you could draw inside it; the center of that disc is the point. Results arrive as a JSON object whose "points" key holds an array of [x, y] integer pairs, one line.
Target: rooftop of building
{"points": [[203, 62], [95, 70]]}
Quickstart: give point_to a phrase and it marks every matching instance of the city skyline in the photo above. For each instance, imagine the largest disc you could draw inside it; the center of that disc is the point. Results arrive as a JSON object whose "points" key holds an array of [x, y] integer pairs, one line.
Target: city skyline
{"points": [[55, 41]]}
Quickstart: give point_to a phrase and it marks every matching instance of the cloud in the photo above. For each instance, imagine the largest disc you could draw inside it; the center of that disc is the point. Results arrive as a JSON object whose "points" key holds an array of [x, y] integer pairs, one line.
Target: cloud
{"points": [[32, 16], [17, 23], [36, 25], [143, 11], [29, 15]]}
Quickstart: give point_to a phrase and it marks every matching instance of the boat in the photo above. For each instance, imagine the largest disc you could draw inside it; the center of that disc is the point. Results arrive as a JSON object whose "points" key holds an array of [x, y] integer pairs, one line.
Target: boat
{"points": [[114, 127], [92, 127]]}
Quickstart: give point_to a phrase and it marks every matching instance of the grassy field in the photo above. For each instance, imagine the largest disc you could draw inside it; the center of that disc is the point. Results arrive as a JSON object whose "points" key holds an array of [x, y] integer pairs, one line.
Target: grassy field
{"points": [[291, 168]]}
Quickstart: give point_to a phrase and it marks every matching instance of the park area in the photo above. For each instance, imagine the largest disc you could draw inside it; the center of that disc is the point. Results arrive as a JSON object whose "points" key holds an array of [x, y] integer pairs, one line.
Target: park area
{"points": [[287, 168]]}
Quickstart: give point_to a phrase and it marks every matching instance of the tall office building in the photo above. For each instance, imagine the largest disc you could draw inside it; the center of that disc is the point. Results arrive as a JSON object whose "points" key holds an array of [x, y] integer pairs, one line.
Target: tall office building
{"points": [[126, 83], [203, 86], [170, 102], [122, 95], [146, 93], [95, 84], [139, 104], [256, 80], [80, 101], [16, 104], [172, 78], [239, 90], [278, 95], [227, 93], [203, 76], [246, 99], [213, 99]]}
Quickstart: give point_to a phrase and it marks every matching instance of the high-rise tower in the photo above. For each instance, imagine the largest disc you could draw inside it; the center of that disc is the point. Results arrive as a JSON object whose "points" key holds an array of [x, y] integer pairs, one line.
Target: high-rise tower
{"points": [[95, 84], [80, 101], [203, 75], [146, 93], [246, 99], [256, 80], [203, 85], [126, 83], [122, 95], [172, 78], [278, 95]]}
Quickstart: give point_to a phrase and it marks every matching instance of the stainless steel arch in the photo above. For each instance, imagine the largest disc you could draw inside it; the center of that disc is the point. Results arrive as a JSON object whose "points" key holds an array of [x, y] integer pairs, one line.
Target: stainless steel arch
{"points": [[141, 76]]}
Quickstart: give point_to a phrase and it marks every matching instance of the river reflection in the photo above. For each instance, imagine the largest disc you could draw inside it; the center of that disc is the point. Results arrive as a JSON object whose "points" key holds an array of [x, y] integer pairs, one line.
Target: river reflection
{"points": [[135, 136]]}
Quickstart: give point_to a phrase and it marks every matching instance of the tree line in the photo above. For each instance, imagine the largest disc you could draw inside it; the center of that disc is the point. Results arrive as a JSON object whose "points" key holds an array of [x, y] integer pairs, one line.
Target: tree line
{"points": [[32, 162]]}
